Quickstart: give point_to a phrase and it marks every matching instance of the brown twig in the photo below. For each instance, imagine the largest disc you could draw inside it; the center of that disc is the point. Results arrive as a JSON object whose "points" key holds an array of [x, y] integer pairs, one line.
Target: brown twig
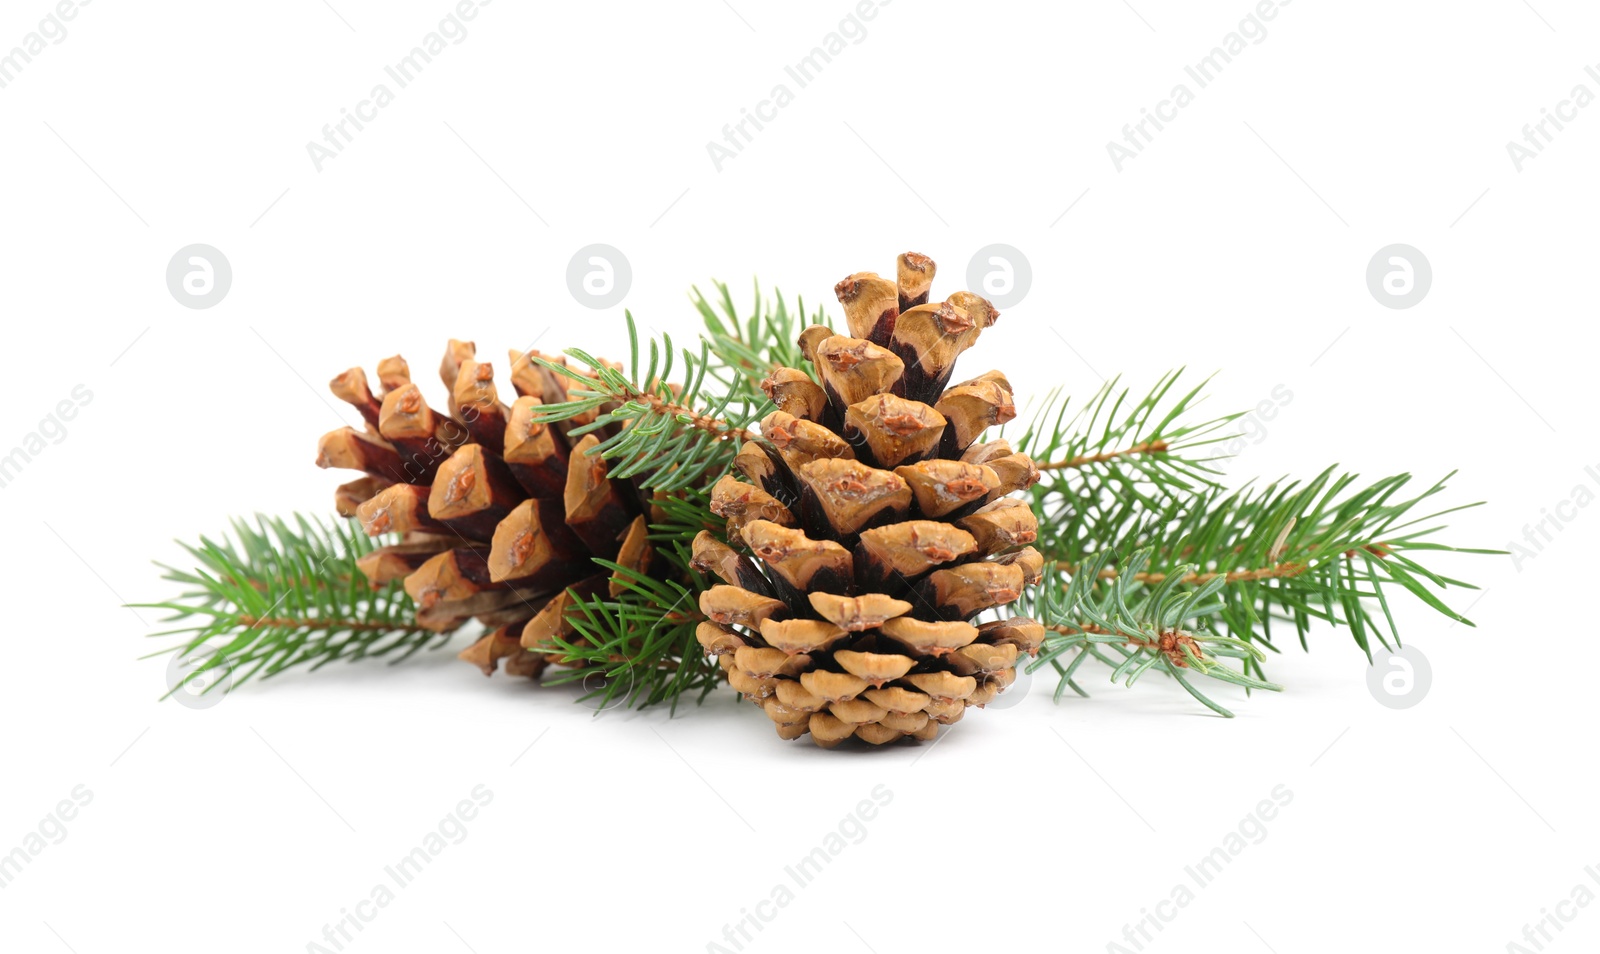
{"points": [[1277, 571], [716, 427], [1083, 460], [1170, 643], [1075, 630], [317, 622], [1283, 570]]}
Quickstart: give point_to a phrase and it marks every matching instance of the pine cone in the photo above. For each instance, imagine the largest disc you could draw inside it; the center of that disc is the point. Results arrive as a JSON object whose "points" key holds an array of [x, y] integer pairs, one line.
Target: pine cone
{"points": [[500, 517], [878, 527]]}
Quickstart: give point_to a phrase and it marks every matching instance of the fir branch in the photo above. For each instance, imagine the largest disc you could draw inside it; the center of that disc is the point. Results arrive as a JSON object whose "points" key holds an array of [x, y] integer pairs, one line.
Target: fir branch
{"points": [[669, 435], [1133, 627], [1117, 442], [1115, 459], [666, 435], [638, 647], [1325, 550], [281, 595]]}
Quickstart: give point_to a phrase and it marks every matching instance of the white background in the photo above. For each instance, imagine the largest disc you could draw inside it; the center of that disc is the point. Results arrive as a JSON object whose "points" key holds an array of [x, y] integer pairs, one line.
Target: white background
{"points": [[1238, 241]]}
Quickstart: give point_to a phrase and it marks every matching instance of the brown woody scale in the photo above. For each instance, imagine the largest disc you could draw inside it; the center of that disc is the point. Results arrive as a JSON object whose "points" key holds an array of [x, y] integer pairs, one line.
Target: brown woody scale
{"points": [[499, 516], [876, 527]]}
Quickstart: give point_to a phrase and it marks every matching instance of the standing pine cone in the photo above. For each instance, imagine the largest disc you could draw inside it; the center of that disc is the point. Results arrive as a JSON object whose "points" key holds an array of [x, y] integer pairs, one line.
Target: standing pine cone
{"points": [[500, 516], [879, 528]]}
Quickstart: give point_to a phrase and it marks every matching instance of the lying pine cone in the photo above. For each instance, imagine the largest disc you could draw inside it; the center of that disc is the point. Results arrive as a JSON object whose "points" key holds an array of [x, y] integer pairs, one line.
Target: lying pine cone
{"points": [[878, 527], [499, 515]]}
